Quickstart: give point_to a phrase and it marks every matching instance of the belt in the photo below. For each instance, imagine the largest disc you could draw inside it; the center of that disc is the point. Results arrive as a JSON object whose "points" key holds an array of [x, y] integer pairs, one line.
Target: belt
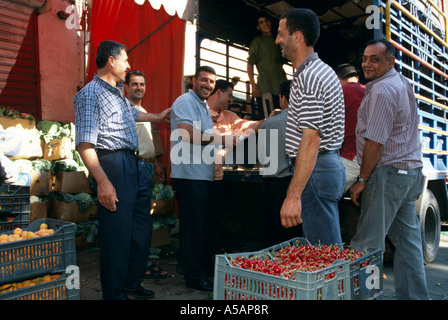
{"points": [[324, 152], [150, 160], [321, 153], [126, 151]]}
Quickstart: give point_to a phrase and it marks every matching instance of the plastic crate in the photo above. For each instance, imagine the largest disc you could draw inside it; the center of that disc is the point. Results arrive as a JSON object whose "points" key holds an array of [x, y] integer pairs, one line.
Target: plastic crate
{"points": [[53, 290], [232, 283], [14, 203], [362, 281], [292, 242], [40, 255]]}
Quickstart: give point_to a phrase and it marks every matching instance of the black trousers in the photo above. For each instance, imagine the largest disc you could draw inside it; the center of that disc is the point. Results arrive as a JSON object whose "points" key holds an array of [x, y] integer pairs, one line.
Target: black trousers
{"points": [[124, 234], [196, 226], [275, 194]]}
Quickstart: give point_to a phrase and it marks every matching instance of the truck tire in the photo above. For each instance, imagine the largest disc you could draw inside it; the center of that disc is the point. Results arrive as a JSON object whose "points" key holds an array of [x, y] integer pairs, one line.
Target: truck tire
{"points": [[429, 217]]}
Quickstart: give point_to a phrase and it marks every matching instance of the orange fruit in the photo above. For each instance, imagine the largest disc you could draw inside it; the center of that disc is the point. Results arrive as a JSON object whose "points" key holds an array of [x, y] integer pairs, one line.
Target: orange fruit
{"points": [[43, 226], [18, 231]]}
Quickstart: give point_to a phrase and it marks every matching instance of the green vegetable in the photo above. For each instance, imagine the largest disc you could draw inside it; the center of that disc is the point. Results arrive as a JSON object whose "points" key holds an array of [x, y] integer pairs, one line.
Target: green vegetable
{"points": [[162, 191], [84, 200]]}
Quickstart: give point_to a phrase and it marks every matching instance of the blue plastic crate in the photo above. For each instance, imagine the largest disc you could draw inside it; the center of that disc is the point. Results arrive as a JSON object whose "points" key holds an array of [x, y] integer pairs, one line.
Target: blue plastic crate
{"points": [[52, 290], [366, 281], [41, 255], [14, 206], [233, 283]]}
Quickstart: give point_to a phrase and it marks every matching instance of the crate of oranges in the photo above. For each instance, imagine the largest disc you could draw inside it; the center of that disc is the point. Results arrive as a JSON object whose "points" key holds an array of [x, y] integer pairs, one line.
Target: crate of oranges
{"points": [[44, 247]]}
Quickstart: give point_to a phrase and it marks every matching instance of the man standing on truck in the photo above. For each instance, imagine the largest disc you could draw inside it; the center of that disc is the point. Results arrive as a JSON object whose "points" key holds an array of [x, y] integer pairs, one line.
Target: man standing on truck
{"points": [[314, 133], [266, 56], [391, 179]]}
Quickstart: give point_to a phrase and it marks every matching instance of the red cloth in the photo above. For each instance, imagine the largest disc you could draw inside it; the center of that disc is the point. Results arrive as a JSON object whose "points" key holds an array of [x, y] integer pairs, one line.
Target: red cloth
{"points": [[159, 57], [353, 94]]}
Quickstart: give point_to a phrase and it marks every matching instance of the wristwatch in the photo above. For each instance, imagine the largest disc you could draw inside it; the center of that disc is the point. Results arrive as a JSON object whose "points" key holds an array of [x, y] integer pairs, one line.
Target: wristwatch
{"points": [[361, 179]]}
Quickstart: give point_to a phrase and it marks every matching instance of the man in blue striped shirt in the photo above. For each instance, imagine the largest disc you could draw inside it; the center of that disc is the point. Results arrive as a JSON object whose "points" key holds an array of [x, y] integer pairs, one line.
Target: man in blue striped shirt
{"points": [[107, 142], [391, 178], [314, 132]]}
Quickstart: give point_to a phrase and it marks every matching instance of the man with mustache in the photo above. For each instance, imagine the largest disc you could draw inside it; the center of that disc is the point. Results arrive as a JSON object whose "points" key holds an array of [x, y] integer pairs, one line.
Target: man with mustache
{"points": [[391, 179], [193, 172], [106, 140], [314, 132]]}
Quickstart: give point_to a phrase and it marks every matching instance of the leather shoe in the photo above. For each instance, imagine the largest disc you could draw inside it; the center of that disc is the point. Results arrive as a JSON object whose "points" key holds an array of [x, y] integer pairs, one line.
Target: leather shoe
{"points": [[202, 285], [140, 292]]}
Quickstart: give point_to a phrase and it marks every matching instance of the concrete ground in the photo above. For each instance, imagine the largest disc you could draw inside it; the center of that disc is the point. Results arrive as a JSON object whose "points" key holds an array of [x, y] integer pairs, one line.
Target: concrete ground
{"points": [[436, 274]]}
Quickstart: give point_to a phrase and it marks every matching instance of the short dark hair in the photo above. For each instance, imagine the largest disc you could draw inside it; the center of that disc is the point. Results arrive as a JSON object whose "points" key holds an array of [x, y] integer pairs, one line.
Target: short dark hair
{"points": [[345, 71], [390, 49], [285, 88], [222, 85], [204, 69], [134, 73], [262, 14], [305, 21], [106, 49]]}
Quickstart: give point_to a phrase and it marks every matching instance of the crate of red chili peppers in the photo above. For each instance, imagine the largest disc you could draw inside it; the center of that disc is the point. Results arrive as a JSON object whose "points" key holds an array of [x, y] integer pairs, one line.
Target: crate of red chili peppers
{"points": [[293, 270]]}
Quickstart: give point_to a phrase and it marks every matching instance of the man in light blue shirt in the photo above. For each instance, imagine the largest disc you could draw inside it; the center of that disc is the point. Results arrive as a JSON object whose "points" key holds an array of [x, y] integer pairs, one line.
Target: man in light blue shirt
{"points": [[193, 172]]}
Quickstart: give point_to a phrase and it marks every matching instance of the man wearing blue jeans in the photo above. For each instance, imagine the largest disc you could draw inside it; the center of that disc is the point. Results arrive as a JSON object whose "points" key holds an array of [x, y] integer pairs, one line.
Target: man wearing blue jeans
{"points": [[314, 133], [391, 179]]}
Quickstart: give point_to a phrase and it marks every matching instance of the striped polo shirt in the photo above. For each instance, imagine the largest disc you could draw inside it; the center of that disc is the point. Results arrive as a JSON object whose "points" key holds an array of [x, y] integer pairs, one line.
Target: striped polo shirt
{"points": [[389, 115], [316, 102]]}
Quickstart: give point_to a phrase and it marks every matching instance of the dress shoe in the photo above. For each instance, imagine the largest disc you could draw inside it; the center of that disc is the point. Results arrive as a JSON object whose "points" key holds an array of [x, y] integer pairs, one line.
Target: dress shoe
{"points": [[140, 292], [202, 285]]}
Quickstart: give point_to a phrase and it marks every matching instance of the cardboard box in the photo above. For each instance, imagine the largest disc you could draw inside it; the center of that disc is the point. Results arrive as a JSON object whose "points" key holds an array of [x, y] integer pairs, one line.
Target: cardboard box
{"points": [[69, 211], [58, 149], [70, 182], [162, 208], [38, 210], [37, 181], [8, 122], [158, 144], [160, 237]]}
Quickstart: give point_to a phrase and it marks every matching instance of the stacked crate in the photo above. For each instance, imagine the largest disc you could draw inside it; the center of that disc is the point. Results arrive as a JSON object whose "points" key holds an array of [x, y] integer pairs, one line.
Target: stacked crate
{"points": [[34, 259], [14, 206]]}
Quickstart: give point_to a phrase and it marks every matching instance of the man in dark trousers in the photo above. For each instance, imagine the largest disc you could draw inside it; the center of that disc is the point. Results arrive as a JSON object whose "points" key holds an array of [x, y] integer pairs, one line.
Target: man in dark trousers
{"points": [[106, 140]]}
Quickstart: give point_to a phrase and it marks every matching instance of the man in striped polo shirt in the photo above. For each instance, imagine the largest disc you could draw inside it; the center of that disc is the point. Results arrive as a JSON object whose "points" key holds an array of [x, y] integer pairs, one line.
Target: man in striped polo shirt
{"points": [[391, 179], [314, 132]]}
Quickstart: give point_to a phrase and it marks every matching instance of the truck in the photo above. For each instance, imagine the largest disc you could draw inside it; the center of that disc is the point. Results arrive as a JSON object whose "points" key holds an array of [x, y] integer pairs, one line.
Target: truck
{"points": [[417, 29]]}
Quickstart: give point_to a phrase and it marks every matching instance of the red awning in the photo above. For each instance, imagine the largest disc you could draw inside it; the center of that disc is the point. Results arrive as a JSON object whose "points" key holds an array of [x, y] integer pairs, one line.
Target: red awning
{"points": [[155, 43], [183, 8]]}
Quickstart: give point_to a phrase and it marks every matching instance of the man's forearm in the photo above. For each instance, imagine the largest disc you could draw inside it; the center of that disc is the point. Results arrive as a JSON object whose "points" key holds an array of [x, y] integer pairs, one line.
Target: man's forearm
{"points": [[370, 158], [189, 134], [305, 162]]}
